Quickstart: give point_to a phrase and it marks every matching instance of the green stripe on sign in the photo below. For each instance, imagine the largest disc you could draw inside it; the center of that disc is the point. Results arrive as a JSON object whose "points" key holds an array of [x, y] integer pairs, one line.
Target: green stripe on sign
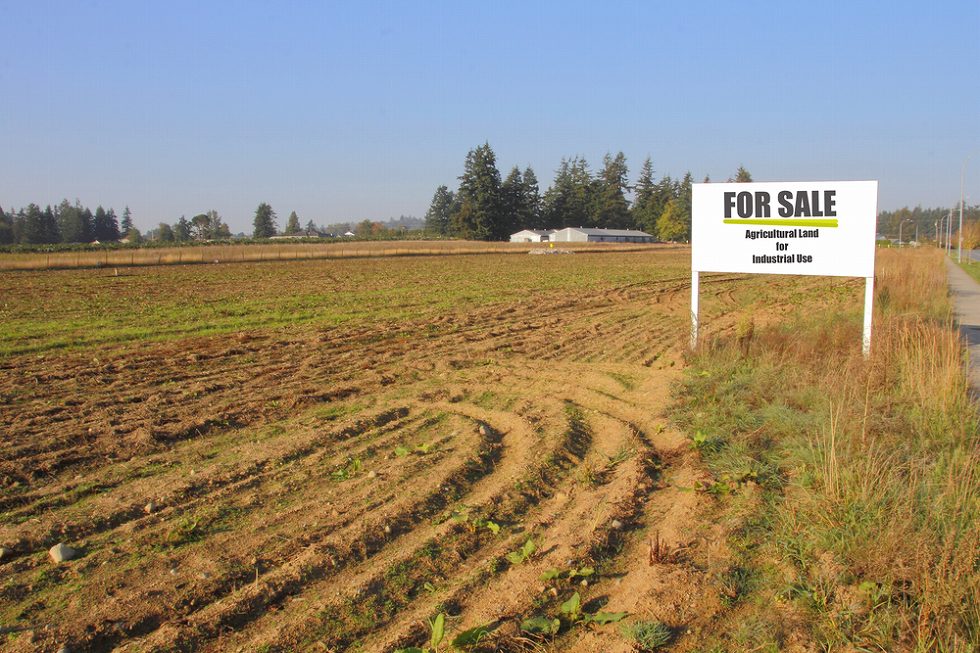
{"points": [[786, 222]]}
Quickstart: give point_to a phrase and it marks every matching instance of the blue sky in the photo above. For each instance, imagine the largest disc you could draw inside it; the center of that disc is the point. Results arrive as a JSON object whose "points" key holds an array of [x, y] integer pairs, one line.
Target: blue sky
{"points": [[346, 111]]}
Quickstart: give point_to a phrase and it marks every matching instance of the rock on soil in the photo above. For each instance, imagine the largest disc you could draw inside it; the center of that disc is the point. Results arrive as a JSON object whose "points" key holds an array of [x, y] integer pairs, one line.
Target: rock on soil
{"points": [[4, 552], [62, 552]]}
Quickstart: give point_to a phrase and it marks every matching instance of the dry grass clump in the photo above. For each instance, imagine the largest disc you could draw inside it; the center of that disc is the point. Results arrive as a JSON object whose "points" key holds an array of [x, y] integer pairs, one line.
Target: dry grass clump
{"points": [[871, 523]]}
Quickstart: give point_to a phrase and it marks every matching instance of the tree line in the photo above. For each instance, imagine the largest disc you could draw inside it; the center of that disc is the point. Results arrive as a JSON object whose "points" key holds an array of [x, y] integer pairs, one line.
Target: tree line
{"points": [[74, 223], [905, 222], [486, 207], [64, 223]]}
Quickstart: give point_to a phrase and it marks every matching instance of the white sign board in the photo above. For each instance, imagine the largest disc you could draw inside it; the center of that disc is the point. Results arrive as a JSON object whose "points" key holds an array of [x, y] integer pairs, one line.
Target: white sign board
{"points": [[825, 228], [819, 227]]}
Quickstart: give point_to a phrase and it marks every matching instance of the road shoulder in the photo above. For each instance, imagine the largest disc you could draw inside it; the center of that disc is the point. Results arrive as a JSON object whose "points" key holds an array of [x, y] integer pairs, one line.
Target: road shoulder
{"points": [[966, 307]]}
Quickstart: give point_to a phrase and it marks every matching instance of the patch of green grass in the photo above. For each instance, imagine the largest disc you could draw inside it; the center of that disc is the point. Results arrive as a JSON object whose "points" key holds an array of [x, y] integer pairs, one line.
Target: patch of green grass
{"points": [[625, 380], [972, 268], [647, 636]]}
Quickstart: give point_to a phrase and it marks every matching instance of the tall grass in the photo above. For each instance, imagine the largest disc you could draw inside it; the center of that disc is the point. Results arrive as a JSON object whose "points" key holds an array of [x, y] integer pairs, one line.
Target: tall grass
{"points": [[869, 526]]}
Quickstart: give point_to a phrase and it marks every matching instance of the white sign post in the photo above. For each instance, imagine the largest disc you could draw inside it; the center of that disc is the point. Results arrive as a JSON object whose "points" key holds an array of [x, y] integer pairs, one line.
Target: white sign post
{"points": [[821, 228]]}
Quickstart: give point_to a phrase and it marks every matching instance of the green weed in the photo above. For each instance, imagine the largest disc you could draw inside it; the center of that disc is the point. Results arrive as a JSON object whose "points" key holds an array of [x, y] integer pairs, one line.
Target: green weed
{"points": [[523, 554], [647, 636]]}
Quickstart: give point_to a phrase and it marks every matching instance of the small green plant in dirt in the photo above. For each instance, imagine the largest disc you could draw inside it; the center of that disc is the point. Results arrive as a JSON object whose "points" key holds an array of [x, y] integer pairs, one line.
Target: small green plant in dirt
{"points": [[624, 454], [570, 574], [489, 524], [351, 468], [524, 553], [437, 632], [647, 635], [186, 531], [571, 613], [470, 637], [541, 625], [705, 443], [421, 449], [588, 476]]}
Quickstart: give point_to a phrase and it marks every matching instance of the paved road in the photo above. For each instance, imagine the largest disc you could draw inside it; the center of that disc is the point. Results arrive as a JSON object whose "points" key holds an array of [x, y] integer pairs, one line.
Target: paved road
{"points": [[966, 304]]}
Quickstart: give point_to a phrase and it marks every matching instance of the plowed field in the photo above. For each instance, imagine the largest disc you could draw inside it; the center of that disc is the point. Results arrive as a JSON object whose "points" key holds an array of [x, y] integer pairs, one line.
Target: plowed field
{"points": [[322, 455]]}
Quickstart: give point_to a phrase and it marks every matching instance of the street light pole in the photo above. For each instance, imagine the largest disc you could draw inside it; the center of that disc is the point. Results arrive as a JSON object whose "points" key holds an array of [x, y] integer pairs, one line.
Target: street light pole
{"points": [[949, 231], [959, 250]]}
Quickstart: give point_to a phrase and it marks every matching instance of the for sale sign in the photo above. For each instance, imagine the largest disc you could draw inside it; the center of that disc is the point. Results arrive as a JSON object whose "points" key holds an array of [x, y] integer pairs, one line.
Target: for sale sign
{"points": [[825, 228]]}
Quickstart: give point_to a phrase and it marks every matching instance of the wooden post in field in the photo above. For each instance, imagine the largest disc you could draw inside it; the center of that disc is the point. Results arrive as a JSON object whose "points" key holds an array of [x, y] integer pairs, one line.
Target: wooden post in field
{"points": [[869, 294], [694, 308]]}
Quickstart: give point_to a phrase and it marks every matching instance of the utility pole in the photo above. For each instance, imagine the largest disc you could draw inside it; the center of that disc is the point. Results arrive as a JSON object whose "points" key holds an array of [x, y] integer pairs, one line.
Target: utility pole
{"points": [[959, 256], [949, 231]]}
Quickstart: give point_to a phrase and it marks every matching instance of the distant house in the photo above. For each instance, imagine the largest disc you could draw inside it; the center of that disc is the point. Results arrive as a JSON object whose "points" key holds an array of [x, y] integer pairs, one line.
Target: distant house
{"points": [[532, 236], [594, 235], [349, 234]]}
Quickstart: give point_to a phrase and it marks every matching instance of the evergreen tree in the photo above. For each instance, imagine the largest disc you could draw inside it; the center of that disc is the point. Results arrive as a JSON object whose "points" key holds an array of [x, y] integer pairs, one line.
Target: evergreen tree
{"points": [[112, 225], [568, 202], [33, 230], [264, 224], [663, 192], [20, 226], [439, 215], [52, 234], [611, 208], [6, 228], [292, 225], [311, 229], [164, 232], [182, 230], [532, 199], [557, 199], [643, 208], [127, 222], [217, 229], [480, 212], [100, 226], [71, 219], [584, 189], [513, 203], [742, 176], [88, 220], [685, 199]]}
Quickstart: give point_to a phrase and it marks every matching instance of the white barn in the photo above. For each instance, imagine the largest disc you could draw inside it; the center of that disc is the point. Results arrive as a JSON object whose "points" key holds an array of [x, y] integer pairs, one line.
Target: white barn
{"points": [[532, 236], [594, 235]]}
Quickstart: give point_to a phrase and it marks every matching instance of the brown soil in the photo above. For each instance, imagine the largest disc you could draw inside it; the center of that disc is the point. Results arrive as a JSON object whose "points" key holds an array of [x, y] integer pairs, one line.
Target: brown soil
{"points": [[323, 488]]}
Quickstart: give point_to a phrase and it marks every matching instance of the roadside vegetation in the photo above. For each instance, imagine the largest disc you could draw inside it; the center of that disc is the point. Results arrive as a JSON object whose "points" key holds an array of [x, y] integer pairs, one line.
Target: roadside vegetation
{"points": [[972, 268], [848, 489]]}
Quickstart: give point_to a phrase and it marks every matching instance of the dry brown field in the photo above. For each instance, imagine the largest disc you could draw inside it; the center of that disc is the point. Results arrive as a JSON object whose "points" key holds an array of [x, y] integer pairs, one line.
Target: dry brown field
{"points": [[322, 455], [282, 251]]}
